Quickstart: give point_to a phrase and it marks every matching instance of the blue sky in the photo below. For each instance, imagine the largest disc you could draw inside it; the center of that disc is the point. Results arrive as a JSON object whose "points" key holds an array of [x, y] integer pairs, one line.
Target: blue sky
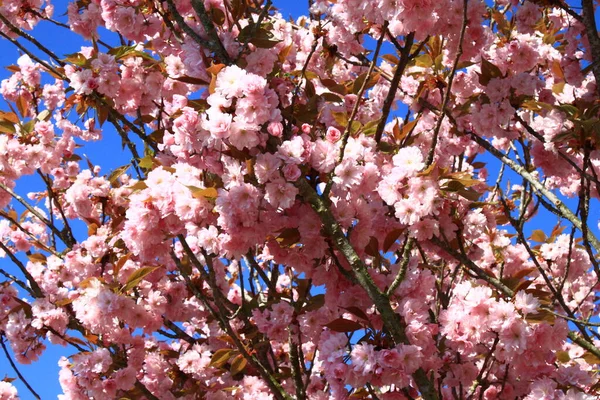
{"points": [[43, 375]]}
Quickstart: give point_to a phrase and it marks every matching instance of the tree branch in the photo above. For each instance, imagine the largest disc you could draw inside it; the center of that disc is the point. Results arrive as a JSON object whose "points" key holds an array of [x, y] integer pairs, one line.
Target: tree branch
{"points": [[459, 52], [564, 211], [589, 21], [389, 100], [67, 240], [37, 291], [184, 26], [408, 245], [14, 367], [214, 42], [220, 317], [391, 320]]}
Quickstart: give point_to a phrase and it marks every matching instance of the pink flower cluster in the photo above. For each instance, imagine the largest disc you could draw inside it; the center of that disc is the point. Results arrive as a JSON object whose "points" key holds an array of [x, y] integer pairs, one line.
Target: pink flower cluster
{"points": [[300, 218]]}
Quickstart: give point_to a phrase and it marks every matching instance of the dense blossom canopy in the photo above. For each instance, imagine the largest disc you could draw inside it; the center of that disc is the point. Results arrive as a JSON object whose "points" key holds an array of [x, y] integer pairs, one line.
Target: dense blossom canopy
{"points": [[343, 206]]}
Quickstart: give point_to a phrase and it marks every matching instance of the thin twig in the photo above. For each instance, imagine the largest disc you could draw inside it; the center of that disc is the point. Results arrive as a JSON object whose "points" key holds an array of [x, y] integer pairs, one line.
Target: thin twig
{"points": [[359, 97], [133, 127], [14, 367], [180, 332], [37, 291], [459, 52], [32, 40], [30, 235], [53, 199], [252, 261], [557, 204], [220, 317], [261, 17], [389, 100], [408, 245], [67, 240], [33, 56], [288, 130]]}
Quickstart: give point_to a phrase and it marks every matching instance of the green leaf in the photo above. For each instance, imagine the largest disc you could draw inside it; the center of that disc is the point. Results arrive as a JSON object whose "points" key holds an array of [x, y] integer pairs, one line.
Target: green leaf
{"points": [[400, 134], [261, 38], [538, 236], [331, 97], [500, 20], [191, 80], [43, 116], [355, 127], [220, 357], [357, 312], [146, 162], [424, 61], [341, 118], [309, 89], [370, 128], [238, 364], [358, 82], [37, 257], [28, 126], [63, 302], [139, 185], [541, 316], [203, 193], [469, 194], [76, 59], [563, 356], [569, 109], [386, 147], [536, 106], [558, 88], [112, 178], [392, 59], [7, 127], [122, 52], [120, 264], [157, 135], [590, 358], [218, 16], [137, 277], [9, 116], [452, 186]]}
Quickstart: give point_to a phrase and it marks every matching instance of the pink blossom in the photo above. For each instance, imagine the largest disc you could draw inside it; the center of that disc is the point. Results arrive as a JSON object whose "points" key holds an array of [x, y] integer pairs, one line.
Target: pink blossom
{"points": [[8, 391], [526, 303], [333, 134], [281, 194], [363, 358], [347, 174]]}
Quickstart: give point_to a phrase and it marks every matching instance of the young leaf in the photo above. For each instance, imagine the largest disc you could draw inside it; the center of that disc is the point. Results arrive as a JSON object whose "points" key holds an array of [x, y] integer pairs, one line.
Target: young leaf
{"points": [[344, 325], [220, 357], [238, 364], [203, 193], [112, 178], [136, 277]]}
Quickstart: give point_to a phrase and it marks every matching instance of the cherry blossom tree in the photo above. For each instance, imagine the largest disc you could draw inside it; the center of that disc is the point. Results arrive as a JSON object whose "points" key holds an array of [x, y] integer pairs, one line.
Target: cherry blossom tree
{"points": [[350, 205]]}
